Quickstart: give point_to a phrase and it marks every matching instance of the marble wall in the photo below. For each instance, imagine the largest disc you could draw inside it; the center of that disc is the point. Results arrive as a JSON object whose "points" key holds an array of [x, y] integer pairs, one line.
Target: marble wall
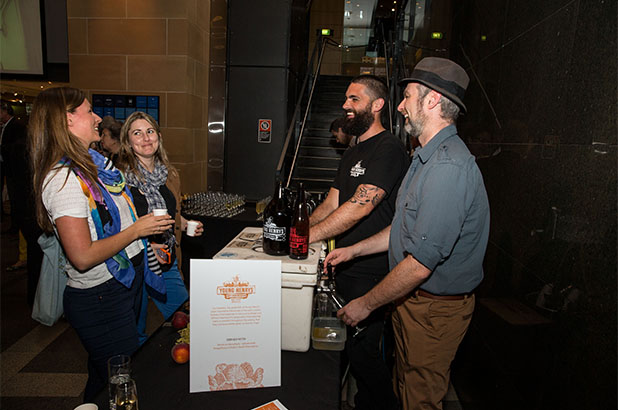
{"points": [[542, 123], [150, 47]]}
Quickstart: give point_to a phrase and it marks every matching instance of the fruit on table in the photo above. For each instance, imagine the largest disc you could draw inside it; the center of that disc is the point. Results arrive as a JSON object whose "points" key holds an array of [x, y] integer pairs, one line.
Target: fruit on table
{"points": [[180, 320], [180, 353]]}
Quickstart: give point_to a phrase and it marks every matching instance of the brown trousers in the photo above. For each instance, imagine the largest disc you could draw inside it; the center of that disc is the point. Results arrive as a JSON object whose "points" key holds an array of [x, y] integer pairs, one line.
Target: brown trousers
{"points": [[427, 335]]}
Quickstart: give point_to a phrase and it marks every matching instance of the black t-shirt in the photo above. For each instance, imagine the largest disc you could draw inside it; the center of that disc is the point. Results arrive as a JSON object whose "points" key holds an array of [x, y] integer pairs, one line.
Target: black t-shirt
{"points": [[381, 161], [141, 206]]}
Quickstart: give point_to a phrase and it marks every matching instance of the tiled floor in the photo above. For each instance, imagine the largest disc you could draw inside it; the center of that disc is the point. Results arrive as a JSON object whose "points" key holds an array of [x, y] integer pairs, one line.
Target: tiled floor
{"points": [[42, 367]]}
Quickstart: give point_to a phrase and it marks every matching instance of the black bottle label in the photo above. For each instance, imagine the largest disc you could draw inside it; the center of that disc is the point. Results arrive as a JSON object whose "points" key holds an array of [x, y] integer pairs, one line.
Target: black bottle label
{"points": [[274, 232]]}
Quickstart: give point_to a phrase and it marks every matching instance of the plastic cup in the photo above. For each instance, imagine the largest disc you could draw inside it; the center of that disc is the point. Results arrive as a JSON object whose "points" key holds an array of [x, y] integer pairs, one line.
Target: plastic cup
{"points": [[118, 371], [191, 227], [87, 406], [159, 212]]}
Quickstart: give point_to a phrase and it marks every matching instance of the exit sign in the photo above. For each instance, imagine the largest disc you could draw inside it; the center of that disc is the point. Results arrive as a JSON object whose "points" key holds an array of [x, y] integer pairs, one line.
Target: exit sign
{"points": [[436, 35]]}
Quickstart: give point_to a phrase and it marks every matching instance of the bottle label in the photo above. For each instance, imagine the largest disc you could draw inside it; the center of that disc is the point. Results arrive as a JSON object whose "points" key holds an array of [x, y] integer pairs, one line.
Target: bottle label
{"points": [[298, 243], [274, 232]]}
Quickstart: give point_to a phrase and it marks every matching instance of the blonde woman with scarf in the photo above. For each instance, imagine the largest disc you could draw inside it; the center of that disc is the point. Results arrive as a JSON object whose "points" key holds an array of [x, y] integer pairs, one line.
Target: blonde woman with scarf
{"points": [[155, 184]]}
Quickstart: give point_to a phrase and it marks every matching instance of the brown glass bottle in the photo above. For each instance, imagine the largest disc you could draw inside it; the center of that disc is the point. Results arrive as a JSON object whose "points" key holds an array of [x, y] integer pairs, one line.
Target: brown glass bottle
{"points": [[299, 230], [276, 225]]}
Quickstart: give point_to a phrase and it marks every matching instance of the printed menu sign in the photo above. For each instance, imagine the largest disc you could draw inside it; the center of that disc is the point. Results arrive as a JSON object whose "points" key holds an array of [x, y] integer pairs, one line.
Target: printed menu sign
{"points": [[235, 325]]}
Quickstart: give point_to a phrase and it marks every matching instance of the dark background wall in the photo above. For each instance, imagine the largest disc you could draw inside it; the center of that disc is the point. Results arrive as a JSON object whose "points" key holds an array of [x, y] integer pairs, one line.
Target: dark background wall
{"points": [[545, 137], [267, 48]]}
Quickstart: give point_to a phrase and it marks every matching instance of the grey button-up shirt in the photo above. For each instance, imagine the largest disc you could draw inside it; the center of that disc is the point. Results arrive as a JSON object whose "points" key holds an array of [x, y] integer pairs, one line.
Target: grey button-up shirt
{"points": [[442, 215]]}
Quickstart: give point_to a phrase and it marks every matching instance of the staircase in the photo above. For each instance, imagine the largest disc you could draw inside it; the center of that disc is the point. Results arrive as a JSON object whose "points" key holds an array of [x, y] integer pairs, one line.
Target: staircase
{"points": [[319, 154]]}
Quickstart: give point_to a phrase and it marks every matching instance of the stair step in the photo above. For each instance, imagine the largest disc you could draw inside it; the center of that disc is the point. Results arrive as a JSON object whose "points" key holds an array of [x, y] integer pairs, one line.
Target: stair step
{"points": [[337, 148], [334, 110], [318, 169], [312, 179], [321, 152], [319, 155], [304, 173], [318, 138], [320, 142], [322, 162]]}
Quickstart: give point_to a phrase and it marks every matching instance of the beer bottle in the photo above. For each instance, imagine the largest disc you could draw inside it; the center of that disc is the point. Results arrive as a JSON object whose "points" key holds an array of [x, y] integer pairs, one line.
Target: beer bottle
{"points": [[299, 230], [276, 224]]}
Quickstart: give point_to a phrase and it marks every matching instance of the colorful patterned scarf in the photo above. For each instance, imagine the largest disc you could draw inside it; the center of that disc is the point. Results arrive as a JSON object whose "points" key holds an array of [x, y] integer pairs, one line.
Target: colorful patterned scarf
{"points": [[111, 182]]}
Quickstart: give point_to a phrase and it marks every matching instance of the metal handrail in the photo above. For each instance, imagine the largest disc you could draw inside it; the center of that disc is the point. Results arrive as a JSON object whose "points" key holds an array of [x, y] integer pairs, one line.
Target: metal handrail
{"points": [[302, 127], [318, 45], [296, 110], [388, 85]]}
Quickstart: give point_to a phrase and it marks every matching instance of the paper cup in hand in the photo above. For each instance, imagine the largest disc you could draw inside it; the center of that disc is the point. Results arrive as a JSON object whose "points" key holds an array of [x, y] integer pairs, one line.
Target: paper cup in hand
{"points": [[191, 227], [159, 212]]}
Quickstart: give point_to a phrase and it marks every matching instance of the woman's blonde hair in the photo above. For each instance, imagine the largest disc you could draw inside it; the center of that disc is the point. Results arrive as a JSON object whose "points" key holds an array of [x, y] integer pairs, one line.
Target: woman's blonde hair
{"points": [[50, 140], [127, 160]]}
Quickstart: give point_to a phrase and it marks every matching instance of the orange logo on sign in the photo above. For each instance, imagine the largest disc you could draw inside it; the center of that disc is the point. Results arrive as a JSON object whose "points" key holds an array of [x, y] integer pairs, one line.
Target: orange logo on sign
{"points": [[236, 290]]}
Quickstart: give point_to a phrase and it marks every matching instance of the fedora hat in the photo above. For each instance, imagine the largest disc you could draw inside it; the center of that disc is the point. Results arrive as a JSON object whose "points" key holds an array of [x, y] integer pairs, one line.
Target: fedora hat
{"points": [[441, 75]]}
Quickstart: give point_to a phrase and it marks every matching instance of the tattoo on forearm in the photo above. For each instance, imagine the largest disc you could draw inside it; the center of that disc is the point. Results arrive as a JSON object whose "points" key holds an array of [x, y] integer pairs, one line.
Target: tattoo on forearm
{"points": [[377, 198], [366, 194]]}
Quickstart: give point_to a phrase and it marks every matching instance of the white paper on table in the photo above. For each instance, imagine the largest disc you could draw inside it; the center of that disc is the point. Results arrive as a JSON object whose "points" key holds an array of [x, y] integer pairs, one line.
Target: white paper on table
{"points": [[235, 324], [271, 405]]}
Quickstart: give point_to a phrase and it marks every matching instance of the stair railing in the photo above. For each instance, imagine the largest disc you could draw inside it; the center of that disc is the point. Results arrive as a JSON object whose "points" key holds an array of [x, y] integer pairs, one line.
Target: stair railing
{"points": [[385, 44], [319, 49]]}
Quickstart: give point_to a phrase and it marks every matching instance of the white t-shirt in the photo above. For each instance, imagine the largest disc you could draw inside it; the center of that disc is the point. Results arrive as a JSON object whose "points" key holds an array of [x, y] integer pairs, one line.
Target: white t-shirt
{"points": [[69, 200]]}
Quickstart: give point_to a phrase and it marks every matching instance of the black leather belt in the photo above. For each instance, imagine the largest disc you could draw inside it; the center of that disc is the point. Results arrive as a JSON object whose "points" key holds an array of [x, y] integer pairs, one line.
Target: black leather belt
{"points": [[425, 294]]}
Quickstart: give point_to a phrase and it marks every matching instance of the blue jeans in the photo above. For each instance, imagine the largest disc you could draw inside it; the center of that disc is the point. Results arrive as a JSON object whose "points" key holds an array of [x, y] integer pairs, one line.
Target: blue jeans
{"points": [[176, 294], [104, 318]]}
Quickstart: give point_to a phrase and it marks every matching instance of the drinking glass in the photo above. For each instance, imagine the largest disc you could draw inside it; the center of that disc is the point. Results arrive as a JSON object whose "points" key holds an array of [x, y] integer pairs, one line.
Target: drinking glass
{"points": [[126, 396], [118, 371]]}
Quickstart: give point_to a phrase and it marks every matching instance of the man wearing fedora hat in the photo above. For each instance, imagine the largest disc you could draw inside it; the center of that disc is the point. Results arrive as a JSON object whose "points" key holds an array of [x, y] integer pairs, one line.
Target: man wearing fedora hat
{"points": [[436, 241]]}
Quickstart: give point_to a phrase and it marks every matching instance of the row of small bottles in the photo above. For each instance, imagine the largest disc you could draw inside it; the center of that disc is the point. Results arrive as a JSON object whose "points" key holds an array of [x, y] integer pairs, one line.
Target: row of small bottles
{"points": [[286, 231]]}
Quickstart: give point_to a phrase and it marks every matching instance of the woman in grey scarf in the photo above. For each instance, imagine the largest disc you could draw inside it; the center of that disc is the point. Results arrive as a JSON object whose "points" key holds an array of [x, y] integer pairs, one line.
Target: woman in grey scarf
{"points": [[155, 184]]}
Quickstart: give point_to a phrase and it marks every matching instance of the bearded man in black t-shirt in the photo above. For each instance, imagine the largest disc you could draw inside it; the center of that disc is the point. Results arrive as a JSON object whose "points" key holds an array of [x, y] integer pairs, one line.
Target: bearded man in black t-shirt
{"points": [[361, 203]]}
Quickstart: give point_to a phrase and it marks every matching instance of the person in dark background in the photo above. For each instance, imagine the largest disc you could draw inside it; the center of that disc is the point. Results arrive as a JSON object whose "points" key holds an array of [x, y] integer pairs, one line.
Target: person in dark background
{"points": [[109, 130], [26, 216], [360, 203], [436, 243], [336, 129], [13, 132]]}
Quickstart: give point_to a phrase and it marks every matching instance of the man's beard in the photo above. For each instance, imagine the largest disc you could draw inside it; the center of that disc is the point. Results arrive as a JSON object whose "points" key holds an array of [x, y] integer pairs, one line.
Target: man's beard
{"points": [[416, 127], [360, 123]]}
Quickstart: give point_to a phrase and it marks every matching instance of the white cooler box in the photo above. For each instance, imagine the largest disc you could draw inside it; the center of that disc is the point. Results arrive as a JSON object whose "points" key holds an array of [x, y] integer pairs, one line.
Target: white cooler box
{"points": [[298, 279]]}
